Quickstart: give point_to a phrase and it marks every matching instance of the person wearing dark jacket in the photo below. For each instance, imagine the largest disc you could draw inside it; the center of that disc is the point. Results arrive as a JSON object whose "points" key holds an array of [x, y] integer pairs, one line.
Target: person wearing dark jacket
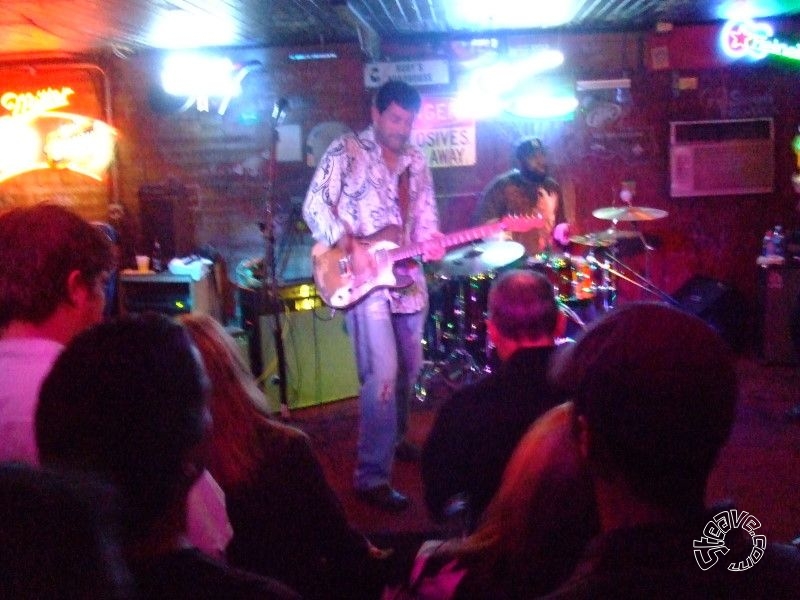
{"points": [[478, 427]]}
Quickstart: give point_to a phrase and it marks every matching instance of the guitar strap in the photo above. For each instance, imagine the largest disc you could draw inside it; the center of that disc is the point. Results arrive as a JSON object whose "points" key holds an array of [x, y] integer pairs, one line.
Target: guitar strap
{"points": [[404, 196]]}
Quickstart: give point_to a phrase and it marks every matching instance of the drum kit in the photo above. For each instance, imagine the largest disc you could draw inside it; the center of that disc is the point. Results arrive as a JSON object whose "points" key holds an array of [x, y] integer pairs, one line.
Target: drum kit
{"points": [[456, 347]]}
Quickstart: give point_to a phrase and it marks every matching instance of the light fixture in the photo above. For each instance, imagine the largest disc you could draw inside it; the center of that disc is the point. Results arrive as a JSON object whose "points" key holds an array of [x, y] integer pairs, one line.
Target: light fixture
{"points": [[591, 85]]}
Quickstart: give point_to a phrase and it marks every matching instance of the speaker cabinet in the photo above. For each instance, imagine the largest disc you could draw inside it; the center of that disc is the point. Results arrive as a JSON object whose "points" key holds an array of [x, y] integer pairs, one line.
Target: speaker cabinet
{"points": [[320, 365], [717, 304], [166, 215], [779, 293]]}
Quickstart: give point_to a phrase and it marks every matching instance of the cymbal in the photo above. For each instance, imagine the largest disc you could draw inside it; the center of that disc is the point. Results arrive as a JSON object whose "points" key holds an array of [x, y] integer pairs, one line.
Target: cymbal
{"points": [[603, 239], [479, 258], [629, 213]]}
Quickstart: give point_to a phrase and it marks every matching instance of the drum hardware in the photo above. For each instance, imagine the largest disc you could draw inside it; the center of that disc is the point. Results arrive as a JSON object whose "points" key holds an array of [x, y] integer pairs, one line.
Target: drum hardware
{"points": [[635, 278], [603, 239], [629, 213], [479, 258]]}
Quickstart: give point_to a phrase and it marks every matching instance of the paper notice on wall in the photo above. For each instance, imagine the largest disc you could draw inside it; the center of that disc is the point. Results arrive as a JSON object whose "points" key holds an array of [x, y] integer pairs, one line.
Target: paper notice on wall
{"points": [[448, 141]]}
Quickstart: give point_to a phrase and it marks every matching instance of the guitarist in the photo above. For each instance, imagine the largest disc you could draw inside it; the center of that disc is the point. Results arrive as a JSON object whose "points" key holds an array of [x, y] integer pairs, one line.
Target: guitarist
{"points": [[365, 183]]}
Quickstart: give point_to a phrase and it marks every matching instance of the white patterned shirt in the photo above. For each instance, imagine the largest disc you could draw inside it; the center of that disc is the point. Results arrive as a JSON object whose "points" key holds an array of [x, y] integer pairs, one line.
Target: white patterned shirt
{"points": [[354, 191]]}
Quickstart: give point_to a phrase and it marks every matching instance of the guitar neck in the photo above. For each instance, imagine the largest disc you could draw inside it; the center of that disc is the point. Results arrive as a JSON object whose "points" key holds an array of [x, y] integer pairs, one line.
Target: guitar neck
{"points": [[451, 239]]}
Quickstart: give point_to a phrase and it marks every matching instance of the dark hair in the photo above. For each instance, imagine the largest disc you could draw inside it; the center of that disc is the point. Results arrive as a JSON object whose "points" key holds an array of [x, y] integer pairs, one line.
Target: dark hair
{"points": [[59, 537], [126, 400], [400, 93], [39, 247], [522, 305], [658, 390], [528, 147]]}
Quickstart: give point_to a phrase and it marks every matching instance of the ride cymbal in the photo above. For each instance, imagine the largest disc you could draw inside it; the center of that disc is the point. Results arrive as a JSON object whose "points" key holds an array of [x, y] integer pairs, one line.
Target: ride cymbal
{"points": [[629, 213], [479, 258], [603, 239]]}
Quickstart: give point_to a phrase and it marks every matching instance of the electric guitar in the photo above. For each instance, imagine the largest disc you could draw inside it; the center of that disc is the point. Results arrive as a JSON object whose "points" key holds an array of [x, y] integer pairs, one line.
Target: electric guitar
{"points": [[341, 284]]}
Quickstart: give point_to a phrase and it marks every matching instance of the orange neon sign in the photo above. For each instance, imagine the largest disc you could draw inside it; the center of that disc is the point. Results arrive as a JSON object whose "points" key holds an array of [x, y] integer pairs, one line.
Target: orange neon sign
{"points": [[36, 136]]}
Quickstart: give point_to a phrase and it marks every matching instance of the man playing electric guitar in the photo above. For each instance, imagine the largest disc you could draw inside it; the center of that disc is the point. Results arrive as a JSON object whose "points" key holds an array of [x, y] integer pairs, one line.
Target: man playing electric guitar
{"points": [[365, 182]]}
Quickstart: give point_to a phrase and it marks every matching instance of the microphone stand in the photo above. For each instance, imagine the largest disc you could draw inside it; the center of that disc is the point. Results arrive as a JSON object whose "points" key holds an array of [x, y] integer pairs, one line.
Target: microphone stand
{"points": [[270, 297]]}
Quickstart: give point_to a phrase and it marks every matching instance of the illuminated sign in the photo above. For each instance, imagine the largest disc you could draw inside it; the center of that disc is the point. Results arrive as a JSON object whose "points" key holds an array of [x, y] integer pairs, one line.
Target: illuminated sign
{"points": [[35, 136], [37, 102], [748, 39]]}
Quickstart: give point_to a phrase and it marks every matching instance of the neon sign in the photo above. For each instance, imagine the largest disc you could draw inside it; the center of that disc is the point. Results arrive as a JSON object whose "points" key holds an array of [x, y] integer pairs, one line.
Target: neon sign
{"points": [[36, 102], [748, 39], [35, 136]]}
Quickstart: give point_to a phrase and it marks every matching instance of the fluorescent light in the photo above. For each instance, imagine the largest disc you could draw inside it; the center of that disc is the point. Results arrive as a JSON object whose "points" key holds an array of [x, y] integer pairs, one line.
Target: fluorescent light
{"points": [[602, 84], [508, 14]]}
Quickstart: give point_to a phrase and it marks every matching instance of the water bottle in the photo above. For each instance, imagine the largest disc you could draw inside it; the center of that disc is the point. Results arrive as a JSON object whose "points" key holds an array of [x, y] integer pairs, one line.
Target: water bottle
{"points": [[778, 240], [155, 257], [768, 245]]}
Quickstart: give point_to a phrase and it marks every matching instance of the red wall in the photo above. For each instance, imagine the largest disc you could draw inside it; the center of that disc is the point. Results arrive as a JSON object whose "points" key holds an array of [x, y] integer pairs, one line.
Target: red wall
{"points": [[221, 161]]}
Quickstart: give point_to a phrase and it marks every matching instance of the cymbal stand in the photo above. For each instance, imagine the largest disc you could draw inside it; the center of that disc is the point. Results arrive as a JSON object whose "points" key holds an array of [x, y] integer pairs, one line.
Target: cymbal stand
{"points": [[636, 279], [459, 367]]}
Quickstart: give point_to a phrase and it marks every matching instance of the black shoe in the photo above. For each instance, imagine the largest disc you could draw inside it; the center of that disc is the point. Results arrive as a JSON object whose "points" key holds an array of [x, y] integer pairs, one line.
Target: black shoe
{"points": [[384, 497], [405, 451]]}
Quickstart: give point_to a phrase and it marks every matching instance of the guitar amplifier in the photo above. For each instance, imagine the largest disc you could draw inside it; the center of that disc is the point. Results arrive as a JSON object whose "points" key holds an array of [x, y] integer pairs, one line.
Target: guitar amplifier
{"points": [[167, 294]]}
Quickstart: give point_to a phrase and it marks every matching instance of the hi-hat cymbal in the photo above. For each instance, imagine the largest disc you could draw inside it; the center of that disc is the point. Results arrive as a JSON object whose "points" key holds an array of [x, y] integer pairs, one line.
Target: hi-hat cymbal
{"points": [[603, 239], [629, 213], [483, 257]]}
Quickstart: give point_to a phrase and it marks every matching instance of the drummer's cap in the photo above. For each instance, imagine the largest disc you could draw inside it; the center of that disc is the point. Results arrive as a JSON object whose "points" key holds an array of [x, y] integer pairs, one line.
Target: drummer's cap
{"points": [[529, 147]]}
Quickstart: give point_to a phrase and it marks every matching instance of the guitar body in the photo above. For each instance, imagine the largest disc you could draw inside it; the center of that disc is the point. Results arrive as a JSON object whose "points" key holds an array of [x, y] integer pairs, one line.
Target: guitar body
{"points": [[340, 285]]}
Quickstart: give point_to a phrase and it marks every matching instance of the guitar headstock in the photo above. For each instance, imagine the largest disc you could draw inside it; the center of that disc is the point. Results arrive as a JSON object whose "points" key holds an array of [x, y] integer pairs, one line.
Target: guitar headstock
{"points": [[520, 223]]}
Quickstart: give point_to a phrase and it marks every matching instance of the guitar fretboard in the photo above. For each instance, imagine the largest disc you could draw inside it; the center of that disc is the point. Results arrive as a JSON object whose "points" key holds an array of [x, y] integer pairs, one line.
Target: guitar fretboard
{"points": [[450, 239]]}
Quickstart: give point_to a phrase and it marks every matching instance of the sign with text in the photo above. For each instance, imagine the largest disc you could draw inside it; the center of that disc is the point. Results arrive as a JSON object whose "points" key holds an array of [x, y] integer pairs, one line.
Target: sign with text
{"points": [[413, 72], [35, 136], [447, 141]]}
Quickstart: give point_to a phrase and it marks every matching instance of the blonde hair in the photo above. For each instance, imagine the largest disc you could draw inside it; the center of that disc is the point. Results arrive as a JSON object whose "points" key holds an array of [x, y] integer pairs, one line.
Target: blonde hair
{"points": [[237, 405]]}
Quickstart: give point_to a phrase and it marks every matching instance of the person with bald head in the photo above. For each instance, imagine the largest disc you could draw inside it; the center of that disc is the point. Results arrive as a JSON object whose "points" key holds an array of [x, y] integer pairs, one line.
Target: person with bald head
{"points": [[478, 427]]}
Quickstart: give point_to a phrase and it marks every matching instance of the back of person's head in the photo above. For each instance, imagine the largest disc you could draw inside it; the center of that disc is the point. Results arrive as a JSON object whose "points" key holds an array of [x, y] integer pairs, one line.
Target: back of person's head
{"points": [[400, 93], [126, 400], [59, 538], [237, 405], [522, 305], [657, 390], [542, 515], [40, 247]]}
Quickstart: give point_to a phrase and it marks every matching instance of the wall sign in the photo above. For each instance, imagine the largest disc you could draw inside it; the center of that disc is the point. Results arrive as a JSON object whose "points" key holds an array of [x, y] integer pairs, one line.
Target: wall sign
{"points": [[413, 72], [748, 39], [33, 135], [446, 140]]}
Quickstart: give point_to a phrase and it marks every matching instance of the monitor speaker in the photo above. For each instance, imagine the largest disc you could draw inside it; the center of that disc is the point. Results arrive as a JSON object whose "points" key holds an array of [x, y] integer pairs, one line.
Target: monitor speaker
{"points": [[718, 304], [320, 365]]}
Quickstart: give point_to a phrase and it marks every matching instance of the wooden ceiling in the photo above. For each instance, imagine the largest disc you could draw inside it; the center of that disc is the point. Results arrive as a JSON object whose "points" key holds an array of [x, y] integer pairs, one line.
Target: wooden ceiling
{"points": [[124, 26]]}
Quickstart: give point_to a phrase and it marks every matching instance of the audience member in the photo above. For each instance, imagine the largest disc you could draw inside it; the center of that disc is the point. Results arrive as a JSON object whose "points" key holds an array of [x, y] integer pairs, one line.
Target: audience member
{"points": [[54, 272], [530, 537], [126, 401], [655, 394], [477, 428], [287, 521], [59, 538]]}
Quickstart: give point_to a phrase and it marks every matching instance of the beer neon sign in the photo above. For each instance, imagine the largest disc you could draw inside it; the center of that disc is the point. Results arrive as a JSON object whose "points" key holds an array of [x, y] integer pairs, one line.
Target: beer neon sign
{"points": [[36, 136], [748, 39]]}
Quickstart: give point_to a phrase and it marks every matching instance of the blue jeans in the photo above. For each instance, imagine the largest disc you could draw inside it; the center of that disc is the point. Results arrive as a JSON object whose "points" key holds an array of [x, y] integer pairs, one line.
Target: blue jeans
{"points": [[388, 350]]}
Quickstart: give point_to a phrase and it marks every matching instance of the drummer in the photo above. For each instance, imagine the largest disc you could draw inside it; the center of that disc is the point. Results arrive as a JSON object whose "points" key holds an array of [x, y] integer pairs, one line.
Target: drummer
{"points": [[524, 190]]}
